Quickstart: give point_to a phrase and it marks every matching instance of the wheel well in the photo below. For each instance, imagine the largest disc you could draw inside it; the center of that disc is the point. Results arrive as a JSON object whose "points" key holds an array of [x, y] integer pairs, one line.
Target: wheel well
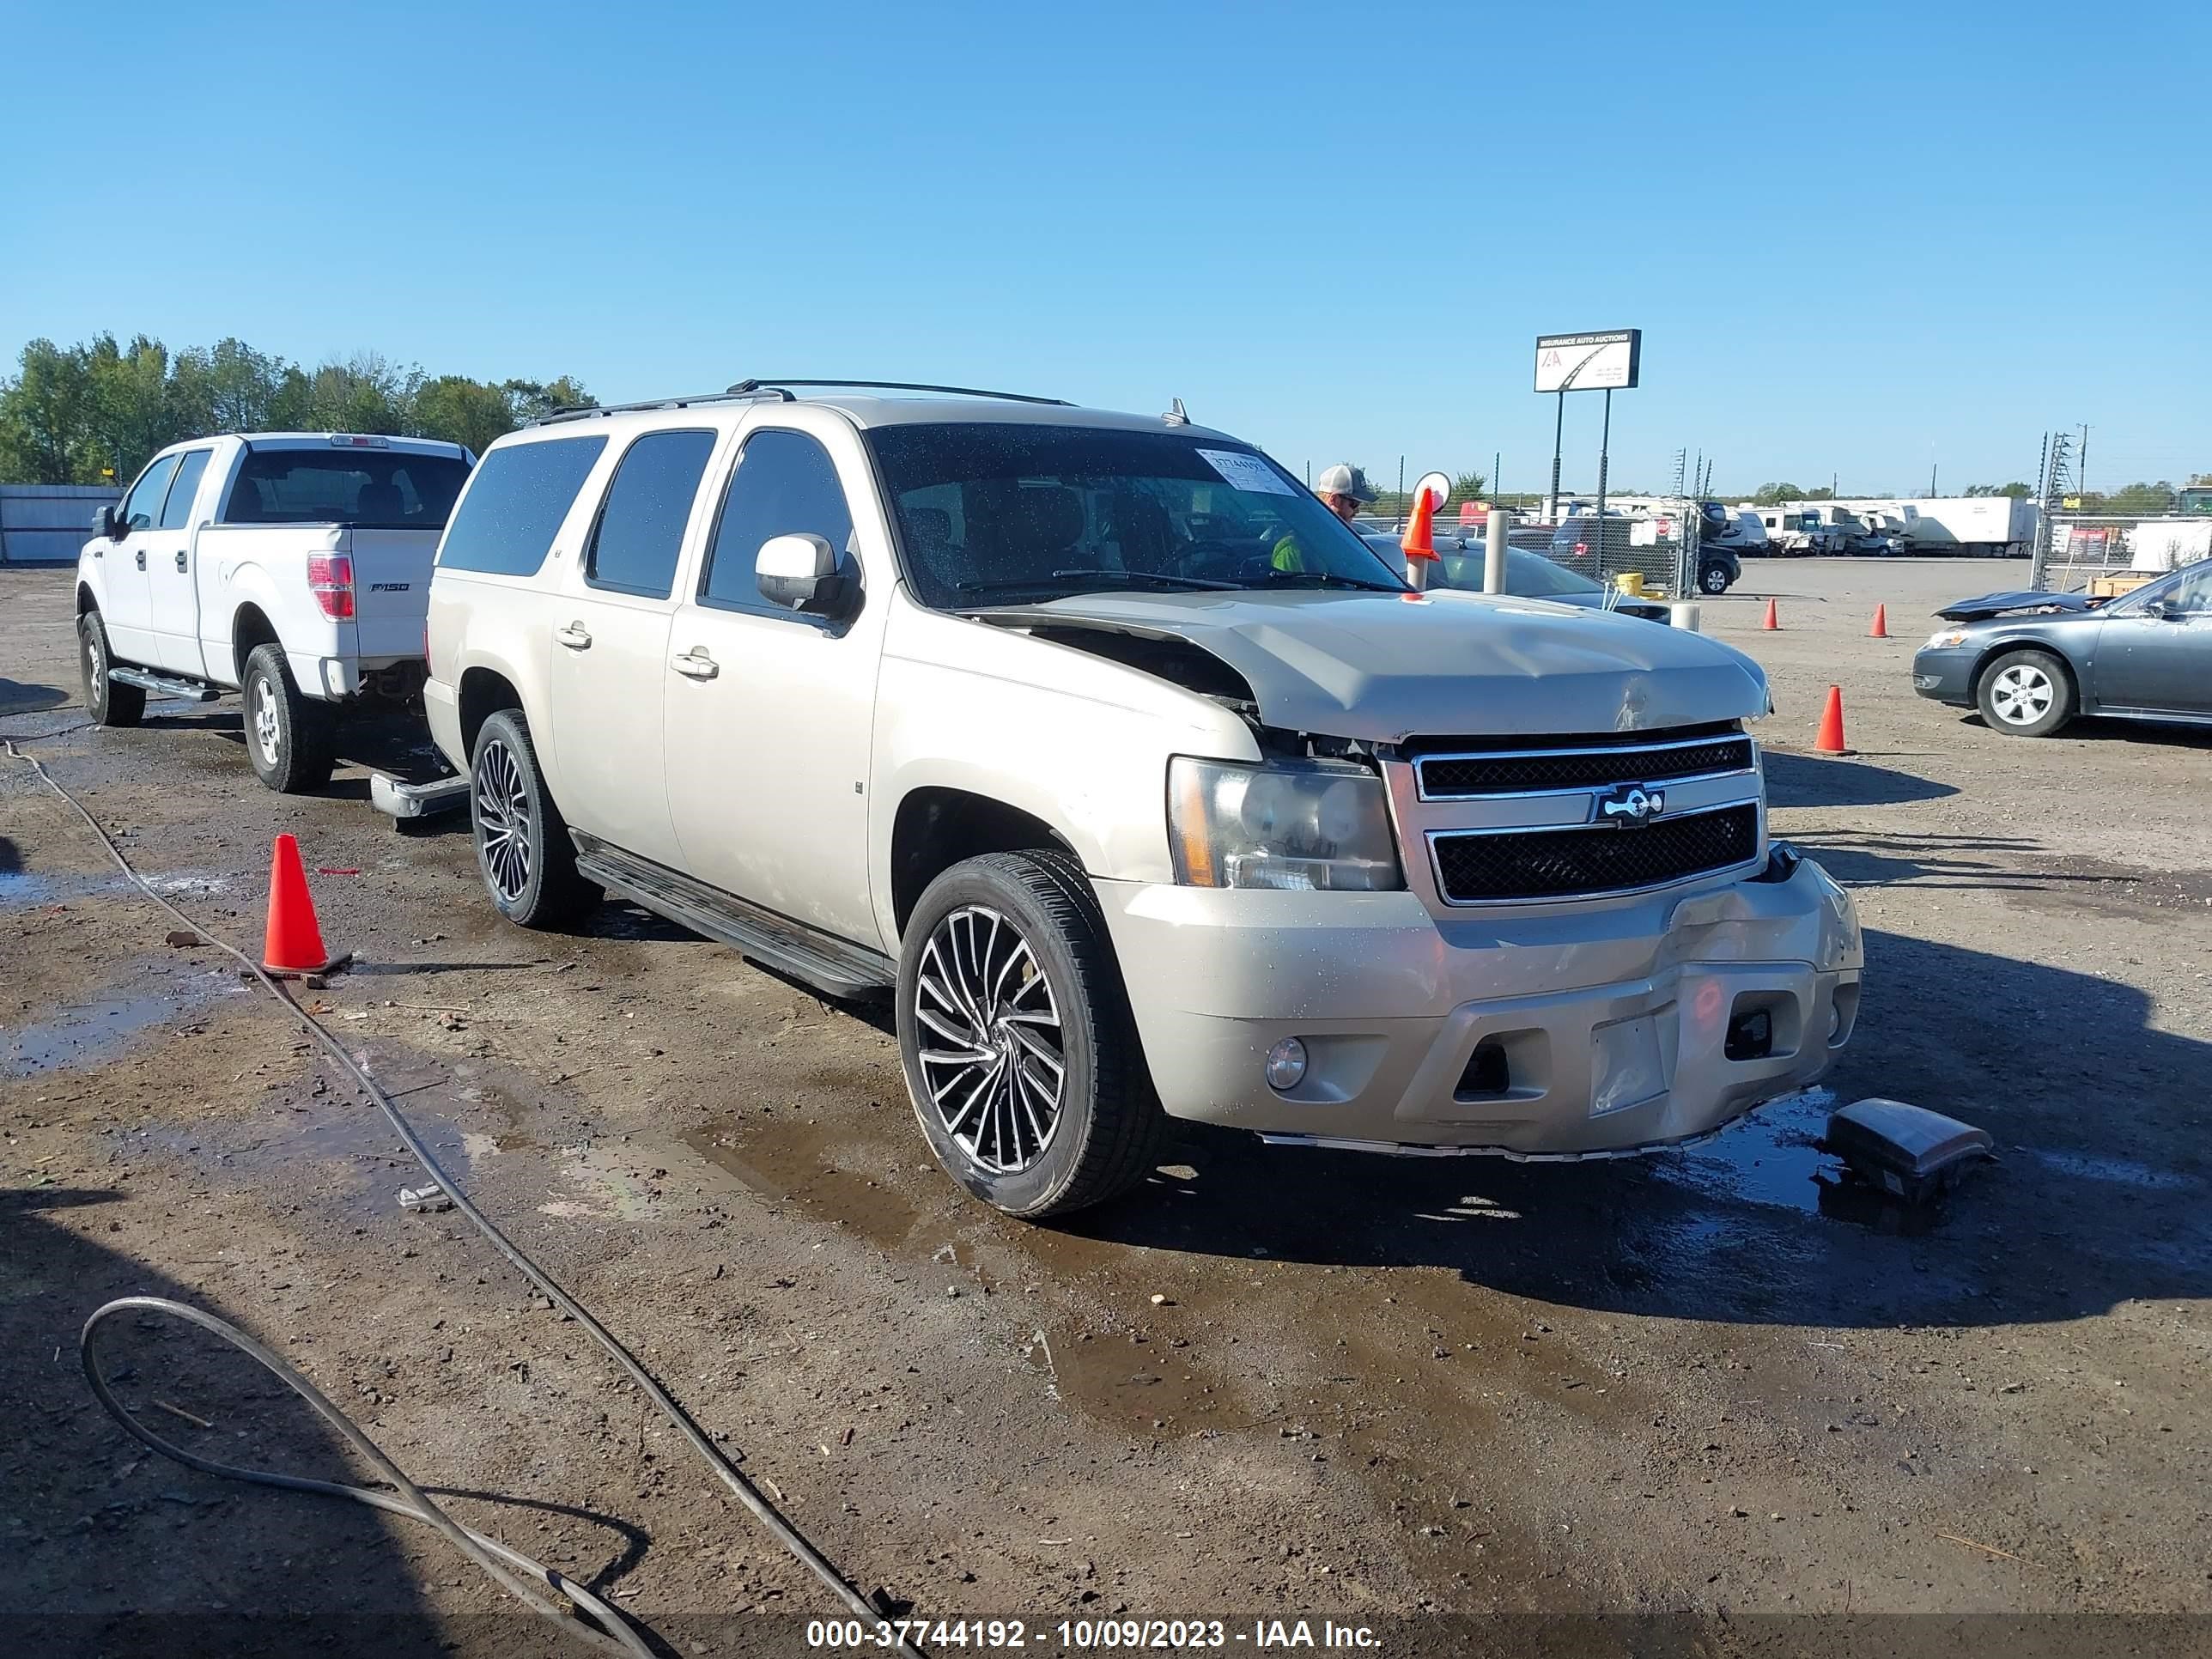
{"points": [[936, 829], [484, 692], [249, 631], [85, 602]]}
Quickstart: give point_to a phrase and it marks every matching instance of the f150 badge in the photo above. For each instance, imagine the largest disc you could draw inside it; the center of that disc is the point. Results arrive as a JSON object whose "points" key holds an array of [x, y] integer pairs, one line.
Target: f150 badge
{"points": [[389, 587]]}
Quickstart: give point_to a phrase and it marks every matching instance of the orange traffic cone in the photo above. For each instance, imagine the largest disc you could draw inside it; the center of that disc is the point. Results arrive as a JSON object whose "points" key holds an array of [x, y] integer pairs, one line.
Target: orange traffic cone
{"points": [[1830, 739], [1773, 622], [1419, 540], [1880, 629], [293, 945]]}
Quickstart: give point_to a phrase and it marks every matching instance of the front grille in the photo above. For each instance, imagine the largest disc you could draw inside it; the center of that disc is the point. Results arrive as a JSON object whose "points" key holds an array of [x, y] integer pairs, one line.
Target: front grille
{"points": [[1461, 777], [1477, 867]]}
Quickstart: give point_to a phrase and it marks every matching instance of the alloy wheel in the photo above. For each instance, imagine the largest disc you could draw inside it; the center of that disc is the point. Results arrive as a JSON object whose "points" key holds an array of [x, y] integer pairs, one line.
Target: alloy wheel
{"points": [[2022, 694], [95, 663], [267, 731], [502, 820], [992, 1054]]}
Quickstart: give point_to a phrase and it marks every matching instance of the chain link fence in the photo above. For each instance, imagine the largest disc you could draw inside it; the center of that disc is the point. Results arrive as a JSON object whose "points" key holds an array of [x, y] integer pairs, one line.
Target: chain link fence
{"points": [[2106, 554]]}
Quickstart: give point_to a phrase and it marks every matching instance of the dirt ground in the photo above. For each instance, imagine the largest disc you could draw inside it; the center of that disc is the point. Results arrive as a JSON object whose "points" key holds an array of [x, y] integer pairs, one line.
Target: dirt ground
{"points": [[1717, 1386]]}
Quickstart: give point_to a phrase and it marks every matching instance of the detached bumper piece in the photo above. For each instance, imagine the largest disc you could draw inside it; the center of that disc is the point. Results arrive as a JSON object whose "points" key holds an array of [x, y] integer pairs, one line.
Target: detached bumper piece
{"points": [[1908, 1151]]}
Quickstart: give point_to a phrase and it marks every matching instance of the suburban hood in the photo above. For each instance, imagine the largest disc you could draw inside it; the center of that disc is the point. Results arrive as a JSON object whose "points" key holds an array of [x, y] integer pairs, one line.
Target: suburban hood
{"points": [[1997, 604], [1382, 667]]}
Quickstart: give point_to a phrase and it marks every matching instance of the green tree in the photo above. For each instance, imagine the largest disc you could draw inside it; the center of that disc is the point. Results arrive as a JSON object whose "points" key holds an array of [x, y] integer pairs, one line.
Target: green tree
{"points": [[2139, 497], [533, 401], [2018, 491], [463, 411], [132, 412], [1469, 486], [1773, 495], [48, 425]]}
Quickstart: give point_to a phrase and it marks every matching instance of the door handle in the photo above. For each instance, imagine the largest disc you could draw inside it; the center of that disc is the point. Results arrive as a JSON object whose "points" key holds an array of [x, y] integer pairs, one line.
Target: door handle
{"points": [[142, 558], [180, 561], [695, 664], [575, 636]]}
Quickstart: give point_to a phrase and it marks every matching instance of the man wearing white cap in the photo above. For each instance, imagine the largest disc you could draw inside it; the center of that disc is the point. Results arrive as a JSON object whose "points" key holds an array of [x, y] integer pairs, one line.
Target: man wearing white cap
{"points": [[1344, 489]]}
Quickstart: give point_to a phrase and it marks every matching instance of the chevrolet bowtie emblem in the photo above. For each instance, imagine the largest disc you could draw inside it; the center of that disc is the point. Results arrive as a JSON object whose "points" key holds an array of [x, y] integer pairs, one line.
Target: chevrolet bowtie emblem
{"points": [[1631, 805]]}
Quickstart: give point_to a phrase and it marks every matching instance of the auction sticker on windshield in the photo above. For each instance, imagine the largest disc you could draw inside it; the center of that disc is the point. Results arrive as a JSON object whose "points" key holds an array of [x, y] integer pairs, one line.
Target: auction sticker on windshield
{"points": [[1247, 472]]}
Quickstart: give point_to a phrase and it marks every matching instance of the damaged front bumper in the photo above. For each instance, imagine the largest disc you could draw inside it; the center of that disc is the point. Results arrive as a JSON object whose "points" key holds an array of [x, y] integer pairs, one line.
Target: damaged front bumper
{"points": [[1599, 1030]]}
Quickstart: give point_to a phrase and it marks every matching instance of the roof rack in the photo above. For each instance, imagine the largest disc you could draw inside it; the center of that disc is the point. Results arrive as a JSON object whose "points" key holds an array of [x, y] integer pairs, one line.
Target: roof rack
{"points": [[753, 387], [746, 392]]}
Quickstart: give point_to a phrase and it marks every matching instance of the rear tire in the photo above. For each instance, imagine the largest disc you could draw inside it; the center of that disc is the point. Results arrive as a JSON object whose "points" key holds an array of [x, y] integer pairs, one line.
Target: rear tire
{"points": [[1022, 1058], [522, 850], [110, 704], [2026, 693], [1713, 580], [291, 739]]}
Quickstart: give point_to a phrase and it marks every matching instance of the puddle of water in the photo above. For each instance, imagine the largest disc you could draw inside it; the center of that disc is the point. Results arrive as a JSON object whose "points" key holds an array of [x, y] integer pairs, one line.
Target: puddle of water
{"points": [[1773, 1159], [88, 1032], [24, 890], [2116, 1170], [1144, 1385], [791, 1162]]}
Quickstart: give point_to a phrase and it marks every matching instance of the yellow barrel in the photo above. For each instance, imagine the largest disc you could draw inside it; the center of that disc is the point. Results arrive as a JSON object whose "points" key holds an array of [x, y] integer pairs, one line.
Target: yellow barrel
{"points": [[1630, 582]]}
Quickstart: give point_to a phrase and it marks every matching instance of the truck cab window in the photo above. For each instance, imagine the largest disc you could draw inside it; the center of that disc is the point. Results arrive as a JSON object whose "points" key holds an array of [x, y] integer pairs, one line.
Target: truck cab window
{"points": [[639, 533], [785, 484], [178, 512], [143, 505]]}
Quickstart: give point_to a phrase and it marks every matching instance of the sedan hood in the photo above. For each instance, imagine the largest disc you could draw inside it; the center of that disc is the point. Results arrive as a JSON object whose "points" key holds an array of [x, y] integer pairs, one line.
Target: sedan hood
{"points": [[1997, 604], [1382, 667]]}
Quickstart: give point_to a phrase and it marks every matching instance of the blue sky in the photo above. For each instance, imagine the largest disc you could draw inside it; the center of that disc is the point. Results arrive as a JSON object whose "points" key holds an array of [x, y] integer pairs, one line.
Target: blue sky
{"points": [[1857, 239]]}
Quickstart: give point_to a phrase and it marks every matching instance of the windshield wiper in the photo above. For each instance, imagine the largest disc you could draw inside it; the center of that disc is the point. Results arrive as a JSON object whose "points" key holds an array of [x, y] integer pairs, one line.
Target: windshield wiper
{"points": [[1117, 578], [1326, 579]]}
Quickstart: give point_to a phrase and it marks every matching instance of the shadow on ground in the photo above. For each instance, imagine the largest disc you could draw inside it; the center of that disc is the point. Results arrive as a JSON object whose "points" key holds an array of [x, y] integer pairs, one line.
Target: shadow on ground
{"points": [[18, 697], [1822, 781], [2100, 1197], [113, 1549]]}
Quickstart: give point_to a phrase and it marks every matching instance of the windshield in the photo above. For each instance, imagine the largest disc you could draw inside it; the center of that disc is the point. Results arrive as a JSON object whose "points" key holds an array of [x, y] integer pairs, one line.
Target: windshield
{"points": [[994, 513], [372, 489]]}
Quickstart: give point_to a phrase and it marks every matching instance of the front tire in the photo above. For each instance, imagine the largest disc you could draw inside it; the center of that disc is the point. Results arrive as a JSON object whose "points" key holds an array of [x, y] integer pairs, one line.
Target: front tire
{"points": [[110, 704], [1021, 1054], [291, 739], [522, 850], [2026, 693]]}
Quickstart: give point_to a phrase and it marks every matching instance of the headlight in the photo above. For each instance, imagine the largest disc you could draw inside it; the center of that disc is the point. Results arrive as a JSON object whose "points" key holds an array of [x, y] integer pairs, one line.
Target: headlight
{"points": [[1304, 824], [1943, 638]]}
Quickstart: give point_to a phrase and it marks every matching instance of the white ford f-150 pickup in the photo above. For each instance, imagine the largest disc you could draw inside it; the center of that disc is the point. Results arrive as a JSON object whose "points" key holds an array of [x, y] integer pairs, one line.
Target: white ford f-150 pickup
{"points": [[1140, 784], [294, 566]]}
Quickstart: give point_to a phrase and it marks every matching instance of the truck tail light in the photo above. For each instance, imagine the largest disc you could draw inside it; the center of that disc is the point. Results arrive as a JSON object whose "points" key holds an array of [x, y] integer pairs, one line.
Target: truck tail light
{"points": [[330, 578]]}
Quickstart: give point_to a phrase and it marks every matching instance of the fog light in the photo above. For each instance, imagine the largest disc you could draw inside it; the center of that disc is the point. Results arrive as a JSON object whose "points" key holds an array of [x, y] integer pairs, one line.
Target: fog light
{"points": [[1835, 1023], [1287, 1064]]}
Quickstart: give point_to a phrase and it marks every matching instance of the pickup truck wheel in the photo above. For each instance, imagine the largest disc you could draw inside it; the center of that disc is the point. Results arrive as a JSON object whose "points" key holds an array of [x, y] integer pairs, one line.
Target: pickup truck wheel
{"points": [[522, 850], [2026, 693], [1713, 580], [111, 704], [1021, 1055], [291, 739]]}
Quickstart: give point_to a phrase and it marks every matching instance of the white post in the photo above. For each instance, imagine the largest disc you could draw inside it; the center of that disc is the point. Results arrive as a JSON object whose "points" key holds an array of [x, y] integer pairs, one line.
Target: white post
{"points": [[1494, 552]]}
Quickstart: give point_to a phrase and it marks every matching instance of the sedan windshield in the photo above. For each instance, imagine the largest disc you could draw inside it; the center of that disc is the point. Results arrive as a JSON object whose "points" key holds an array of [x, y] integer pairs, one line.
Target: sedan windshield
{"points": [[994, 513]]}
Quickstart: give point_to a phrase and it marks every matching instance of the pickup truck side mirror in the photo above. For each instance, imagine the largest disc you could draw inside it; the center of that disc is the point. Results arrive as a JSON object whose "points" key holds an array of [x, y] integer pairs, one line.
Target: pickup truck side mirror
{"points": [[105, 524], [801, 573]]}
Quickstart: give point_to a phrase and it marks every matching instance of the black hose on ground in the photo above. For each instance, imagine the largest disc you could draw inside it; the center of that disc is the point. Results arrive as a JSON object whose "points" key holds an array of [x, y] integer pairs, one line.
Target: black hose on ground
{"points": [[476, 1548]]}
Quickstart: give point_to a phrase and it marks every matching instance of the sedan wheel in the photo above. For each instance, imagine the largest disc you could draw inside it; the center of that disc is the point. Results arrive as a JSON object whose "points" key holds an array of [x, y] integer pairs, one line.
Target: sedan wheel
{"points": [[2026, 694]]}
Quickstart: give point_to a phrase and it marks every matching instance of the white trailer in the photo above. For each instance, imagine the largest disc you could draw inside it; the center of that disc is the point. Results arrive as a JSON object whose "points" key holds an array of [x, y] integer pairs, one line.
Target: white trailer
{"points": [[1988, 526]]}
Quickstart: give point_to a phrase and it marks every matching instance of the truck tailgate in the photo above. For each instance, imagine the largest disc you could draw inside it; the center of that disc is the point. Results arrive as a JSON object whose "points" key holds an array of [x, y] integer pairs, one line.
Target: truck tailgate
{"points": [[392, 591]]}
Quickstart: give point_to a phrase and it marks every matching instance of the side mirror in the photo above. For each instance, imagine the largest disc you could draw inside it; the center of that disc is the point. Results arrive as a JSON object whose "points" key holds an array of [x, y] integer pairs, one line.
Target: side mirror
{"points": [[2161, 611], [801, 573], [105, 524]]}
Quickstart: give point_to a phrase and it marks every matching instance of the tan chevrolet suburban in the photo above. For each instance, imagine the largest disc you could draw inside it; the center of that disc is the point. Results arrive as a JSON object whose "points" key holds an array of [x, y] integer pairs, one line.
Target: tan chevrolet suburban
{"points": [[1142, 784]]}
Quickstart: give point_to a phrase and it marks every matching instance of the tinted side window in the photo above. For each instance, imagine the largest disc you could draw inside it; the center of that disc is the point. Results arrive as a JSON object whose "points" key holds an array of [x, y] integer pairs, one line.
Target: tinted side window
{"points": [[179, 512], [640, 527], [784, 485], [514, 506], [143, 505]]}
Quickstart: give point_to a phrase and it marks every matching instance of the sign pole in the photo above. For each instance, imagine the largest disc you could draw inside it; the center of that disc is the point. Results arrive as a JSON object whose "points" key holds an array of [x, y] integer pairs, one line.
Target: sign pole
{"points": [[1558, 426], [1604, 442]]}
